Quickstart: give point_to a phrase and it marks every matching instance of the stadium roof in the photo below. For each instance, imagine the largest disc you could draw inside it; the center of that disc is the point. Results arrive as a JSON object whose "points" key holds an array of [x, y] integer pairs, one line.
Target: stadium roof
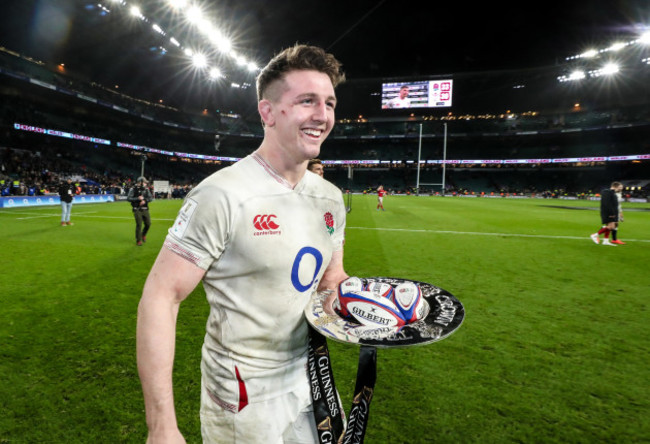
{"points": [[107, 43]]}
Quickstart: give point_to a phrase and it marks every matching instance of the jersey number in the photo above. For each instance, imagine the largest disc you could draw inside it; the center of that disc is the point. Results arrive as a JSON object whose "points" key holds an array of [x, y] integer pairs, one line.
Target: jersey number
{"points": [[295, 280]]}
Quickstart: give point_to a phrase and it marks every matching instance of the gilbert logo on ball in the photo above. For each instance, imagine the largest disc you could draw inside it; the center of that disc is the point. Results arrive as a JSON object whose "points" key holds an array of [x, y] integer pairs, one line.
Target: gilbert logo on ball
{"points": [[367, 308], [408, 299]]}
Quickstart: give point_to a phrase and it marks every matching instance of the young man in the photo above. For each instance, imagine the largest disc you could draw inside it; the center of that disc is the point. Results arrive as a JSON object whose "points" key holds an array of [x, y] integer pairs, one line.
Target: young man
{"points": [[380, 197], [262, 235], [609, 213], [140, 196], [316, 166], [401, 100]]}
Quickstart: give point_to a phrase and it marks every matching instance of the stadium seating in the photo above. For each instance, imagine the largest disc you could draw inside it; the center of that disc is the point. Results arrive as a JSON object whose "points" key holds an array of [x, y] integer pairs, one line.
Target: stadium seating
{"points": [[37, 96]]}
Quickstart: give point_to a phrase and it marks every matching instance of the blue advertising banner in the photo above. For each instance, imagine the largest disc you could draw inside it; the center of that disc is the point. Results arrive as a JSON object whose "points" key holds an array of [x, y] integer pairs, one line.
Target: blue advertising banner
{"points": [[32, 201]]}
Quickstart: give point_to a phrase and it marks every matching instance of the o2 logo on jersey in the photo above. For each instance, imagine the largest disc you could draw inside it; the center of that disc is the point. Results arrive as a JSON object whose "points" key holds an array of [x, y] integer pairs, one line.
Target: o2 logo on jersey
{"points": [[265, 225], [301, 266]]}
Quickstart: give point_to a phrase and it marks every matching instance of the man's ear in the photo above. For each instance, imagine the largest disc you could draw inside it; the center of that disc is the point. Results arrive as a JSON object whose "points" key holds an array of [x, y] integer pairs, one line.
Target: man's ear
{"points": [[265, 108]]}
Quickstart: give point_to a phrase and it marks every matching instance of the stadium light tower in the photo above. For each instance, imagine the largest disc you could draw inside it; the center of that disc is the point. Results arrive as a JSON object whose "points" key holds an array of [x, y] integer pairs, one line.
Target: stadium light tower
{"points": [[143, 159]]}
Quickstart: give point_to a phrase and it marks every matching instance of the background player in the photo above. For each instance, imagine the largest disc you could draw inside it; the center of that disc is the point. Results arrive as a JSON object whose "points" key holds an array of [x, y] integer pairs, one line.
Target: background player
{"points": [[609, 212], [316, 166], [380, 197], [262, 235]]}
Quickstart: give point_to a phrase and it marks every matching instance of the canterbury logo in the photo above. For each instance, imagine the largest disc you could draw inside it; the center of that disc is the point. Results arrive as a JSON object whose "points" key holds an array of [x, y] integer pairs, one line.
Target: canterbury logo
{"points": [[265, 225], [265, 222]]}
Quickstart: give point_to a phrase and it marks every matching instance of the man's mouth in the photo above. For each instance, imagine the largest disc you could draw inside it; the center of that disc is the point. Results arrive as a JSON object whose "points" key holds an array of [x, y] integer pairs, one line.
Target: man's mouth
{"points": [[316, 133]]}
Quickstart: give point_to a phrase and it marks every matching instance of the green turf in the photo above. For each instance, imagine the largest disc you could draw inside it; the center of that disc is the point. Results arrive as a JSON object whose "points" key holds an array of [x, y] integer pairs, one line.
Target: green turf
{"points": [[553, 349]]}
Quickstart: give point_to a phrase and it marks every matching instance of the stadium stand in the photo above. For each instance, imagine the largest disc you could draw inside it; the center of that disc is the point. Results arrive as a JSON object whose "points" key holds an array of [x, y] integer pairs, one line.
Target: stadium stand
{"points": [[39, 104]]}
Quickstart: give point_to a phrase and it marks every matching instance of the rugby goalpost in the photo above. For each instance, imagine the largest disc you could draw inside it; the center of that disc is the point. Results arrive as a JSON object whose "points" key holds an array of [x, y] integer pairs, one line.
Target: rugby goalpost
{"points": [[444, 163]]}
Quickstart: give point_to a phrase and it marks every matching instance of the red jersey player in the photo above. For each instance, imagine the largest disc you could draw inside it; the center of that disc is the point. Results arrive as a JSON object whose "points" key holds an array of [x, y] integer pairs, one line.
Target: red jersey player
{"points": [[380, 197]]}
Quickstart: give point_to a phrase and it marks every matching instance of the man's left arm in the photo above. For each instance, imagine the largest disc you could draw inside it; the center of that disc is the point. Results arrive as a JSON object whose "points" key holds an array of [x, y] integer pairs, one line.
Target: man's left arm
{"points": [[333, 275]]}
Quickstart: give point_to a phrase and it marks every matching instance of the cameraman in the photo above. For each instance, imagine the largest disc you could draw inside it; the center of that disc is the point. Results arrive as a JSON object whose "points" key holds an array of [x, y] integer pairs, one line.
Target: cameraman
{"points": [[140, 196]]}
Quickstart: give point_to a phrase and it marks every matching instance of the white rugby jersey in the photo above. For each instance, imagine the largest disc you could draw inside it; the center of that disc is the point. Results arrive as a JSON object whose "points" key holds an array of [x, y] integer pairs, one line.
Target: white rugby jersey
{"points": [[264, 247], [398, 102]]}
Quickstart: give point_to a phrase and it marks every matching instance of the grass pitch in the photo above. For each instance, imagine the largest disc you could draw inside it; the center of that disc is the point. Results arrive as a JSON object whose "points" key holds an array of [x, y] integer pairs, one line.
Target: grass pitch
{"points": [[553, 349]]}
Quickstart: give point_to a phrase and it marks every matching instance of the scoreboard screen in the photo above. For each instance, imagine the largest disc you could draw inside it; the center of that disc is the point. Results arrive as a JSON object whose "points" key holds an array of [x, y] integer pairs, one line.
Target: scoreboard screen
{"points": [[420, 94]]}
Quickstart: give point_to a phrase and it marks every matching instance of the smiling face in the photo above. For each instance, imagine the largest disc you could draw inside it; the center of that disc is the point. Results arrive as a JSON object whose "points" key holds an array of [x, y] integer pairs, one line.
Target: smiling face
{"points": [[299, 113]]}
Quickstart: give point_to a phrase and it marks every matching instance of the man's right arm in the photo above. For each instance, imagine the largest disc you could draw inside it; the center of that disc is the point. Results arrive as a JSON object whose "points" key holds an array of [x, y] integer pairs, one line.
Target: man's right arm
{"points": [[170, 281]]}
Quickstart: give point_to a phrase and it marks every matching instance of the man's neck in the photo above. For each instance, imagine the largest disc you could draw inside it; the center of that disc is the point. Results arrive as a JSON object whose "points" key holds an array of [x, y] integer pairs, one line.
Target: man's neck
{"points": [[292, 171]]}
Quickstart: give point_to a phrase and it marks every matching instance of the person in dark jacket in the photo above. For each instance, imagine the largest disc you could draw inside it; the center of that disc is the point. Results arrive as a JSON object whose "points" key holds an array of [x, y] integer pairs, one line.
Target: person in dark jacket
{"points": [[609, 213], [140, 196], [66, 193]]}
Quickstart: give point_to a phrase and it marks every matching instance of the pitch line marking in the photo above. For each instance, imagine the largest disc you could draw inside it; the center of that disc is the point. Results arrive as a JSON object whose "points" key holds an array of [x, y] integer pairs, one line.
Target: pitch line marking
{"points": [[75, 214], [477, 233], [408, 230]]}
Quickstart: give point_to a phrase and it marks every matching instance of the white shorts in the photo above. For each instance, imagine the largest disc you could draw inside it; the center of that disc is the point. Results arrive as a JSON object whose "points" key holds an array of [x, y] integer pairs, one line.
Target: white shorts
{"points": [[286, 419]]}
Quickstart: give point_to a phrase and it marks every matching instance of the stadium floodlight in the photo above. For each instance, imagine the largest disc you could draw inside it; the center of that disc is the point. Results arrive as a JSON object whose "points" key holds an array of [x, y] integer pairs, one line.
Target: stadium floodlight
{"points": [[645, 38], [135, 11], [205, 26], [224, 45], [188, 52], [174, 42], [616, 47], [214, 73], [251, 66], [158, 29], [589, 54], [194, 14], [219, 40], [574, 76], [199, 60], [577, 75], [610, 68]]}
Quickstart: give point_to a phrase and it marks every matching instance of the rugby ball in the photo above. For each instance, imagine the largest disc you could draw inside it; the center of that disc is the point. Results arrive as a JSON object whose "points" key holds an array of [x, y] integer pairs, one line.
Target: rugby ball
{"points": [[349, 285], [408, 298], [367, 308], [381, 289]]}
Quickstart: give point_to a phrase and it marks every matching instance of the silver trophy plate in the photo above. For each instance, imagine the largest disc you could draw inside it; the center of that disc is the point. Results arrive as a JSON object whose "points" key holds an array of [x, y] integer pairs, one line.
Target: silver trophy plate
{"points": [[446, 314]]}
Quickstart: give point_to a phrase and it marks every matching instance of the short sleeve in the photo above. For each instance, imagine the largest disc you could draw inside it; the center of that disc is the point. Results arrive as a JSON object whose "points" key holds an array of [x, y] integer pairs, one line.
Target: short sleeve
{"points": [[201, 227]]}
